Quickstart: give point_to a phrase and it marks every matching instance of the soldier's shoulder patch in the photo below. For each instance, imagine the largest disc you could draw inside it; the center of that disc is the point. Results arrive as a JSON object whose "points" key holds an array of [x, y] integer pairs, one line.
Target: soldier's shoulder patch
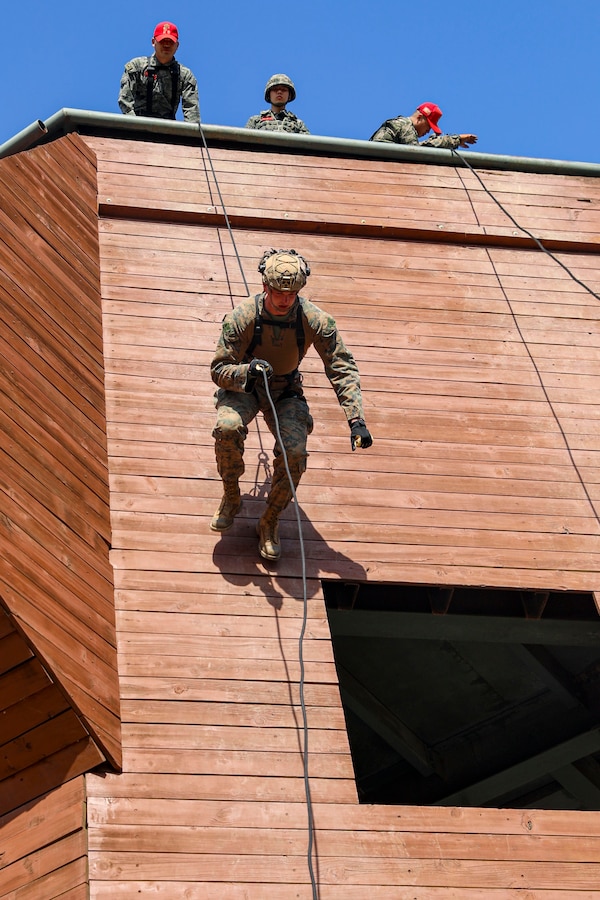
{"points": [[321, 322], [134, 64], [329, 326], [243, 314], [228, 328]]}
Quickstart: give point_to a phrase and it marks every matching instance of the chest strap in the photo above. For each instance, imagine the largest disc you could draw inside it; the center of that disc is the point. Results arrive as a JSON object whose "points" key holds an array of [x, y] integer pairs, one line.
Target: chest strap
{"points": [[260, 321], [151, 76]]}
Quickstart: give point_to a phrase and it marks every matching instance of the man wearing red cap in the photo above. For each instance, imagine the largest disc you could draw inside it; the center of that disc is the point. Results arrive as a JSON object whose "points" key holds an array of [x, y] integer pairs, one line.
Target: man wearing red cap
{"points": [[154, 85], [408, 130]]}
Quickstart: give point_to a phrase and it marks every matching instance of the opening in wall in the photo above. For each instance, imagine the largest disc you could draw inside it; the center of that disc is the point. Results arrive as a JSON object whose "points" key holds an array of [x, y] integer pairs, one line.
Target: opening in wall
{"points": [[461, 696]]}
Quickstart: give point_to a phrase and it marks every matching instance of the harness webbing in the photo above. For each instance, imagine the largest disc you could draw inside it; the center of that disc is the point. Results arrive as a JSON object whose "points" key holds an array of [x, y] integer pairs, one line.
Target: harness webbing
{"points": [[151, 78], [260, 320]]}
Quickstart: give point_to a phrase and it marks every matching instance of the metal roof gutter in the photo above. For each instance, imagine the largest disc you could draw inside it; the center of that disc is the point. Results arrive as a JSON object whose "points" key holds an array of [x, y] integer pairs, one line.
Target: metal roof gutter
{"points": [[139, 127], [24, 139]]}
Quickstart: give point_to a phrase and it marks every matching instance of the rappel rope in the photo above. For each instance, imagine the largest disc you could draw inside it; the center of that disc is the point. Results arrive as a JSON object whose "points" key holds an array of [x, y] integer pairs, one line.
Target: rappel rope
{"points": [[520, 227], [309, 808], [541, 247], [515, 318]]}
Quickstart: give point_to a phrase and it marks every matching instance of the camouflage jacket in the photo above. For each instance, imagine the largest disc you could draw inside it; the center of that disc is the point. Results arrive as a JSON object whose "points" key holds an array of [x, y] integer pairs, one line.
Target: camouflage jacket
{"points": [[133, 95], [285, 120], [402, 131], [229, 367]]}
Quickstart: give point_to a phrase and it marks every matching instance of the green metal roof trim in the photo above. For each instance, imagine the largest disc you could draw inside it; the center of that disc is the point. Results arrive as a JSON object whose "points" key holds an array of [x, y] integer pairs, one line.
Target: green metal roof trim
{"points": [[87, 122]]}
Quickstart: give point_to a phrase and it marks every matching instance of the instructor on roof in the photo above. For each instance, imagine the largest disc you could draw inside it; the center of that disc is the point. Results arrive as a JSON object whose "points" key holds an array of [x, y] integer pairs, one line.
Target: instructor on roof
{"points": [[408, 130], [155, 85]]}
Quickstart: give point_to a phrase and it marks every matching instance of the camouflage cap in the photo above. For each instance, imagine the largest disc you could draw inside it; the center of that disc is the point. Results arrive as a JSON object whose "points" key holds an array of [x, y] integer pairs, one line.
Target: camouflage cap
{"points": [[280, 79], [284, 270]]}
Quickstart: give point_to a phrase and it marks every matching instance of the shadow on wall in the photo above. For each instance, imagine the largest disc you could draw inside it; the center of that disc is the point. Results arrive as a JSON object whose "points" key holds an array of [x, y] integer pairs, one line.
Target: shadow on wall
{"points": [[237, 558]]}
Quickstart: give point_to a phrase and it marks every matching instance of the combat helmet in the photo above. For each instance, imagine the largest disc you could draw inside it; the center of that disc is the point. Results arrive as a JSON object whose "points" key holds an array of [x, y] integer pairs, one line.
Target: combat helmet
{"points": [[284, 270], [280, 79]]}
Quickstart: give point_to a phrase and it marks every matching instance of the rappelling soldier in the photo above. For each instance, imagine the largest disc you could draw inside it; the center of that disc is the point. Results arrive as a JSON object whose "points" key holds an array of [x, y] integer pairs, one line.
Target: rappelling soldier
{"points": [[155, 85], [279, 90], [268, 335]]}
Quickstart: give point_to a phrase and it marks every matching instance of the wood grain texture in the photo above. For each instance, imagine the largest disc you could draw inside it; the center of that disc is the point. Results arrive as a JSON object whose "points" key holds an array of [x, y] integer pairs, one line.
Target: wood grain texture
{"points": [[480, 363], [55, 577], [44, 846]]}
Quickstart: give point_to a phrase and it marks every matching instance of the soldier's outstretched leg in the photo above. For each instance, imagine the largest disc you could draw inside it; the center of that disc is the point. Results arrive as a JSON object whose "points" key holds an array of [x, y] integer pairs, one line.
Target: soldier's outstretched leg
{"points": [[234, 412], [228, 508], [295, 424]]}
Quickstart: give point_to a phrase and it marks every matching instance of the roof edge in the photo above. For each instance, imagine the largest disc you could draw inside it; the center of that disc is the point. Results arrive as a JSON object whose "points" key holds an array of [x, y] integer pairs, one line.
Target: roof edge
{"points": [[68, 120]]}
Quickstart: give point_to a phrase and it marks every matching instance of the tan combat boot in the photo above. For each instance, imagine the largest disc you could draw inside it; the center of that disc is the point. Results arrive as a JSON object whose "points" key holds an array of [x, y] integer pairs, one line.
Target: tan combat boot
{"points": [[229, 507], [267, 529]]}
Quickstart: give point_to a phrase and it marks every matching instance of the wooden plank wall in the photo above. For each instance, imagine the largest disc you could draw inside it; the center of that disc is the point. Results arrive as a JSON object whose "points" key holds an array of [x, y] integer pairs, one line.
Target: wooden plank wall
{"points": [[42, 742], [43, 854], [480, 368], [345, 195], [55, 576]]}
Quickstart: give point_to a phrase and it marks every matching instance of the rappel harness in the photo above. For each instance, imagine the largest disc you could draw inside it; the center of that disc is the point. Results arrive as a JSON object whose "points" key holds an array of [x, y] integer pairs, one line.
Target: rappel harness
{"points": [[260, 320], [151, 76]]}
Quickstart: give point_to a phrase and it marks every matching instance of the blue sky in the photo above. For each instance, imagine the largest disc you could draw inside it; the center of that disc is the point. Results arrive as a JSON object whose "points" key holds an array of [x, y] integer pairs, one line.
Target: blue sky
{"points": [[522, 75]]}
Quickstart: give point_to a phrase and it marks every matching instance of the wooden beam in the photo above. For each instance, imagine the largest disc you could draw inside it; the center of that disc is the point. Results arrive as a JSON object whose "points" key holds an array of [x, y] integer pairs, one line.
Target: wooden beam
{"points": [[557, 679], [484, 629], [384, 723], [534, 603], [578, 786], [440, 599], [529, 770]]}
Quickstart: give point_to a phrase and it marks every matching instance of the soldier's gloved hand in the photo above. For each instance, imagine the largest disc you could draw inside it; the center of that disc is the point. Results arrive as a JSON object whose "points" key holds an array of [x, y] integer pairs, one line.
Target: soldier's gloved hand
{"points": [[255, 370], [360, 435], [258, 366]]}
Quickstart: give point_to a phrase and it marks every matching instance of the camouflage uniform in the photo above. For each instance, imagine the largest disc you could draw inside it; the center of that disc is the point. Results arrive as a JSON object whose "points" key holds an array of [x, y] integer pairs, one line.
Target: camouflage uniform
{"points": [[402, 131], [238, 402], [267, 120], [133, 92]]}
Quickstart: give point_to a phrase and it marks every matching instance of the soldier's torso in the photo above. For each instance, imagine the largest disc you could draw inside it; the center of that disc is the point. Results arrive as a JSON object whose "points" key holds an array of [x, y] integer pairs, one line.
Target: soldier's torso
{"points": [[279, 338], [267, 120], [147, 69]]}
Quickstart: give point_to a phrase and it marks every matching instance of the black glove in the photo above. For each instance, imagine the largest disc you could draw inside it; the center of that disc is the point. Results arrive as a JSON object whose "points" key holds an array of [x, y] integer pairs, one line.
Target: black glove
{"points": [[258, 366], [359, 435], [255, 370]]}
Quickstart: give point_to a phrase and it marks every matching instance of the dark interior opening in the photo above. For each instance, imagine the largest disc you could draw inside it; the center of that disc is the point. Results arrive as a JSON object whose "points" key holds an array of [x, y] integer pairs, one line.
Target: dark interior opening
{"points": [[468, 696]]}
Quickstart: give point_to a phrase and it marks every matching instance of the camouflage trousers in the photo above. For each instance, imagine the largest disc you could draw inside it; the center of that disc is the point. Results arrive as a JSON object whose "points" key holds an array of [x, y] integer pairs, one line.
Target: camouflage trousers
{"points": [[235, 411]]}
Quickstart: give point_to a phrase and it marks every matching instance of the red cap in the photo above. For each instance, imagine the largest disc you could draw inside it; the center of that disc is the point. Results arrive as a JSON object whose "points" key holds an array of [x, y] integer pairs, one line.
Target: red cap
{"points": [[433, 114], [166, 31]]}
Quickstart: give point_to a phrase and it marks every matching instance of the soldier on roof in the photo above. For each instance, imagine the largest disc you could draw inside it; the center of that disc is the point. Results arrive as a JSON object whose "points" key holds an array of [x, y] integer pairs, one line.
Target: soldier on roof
{"points": [[408, 130], [155, 85], [279, 91], [269, 334]]}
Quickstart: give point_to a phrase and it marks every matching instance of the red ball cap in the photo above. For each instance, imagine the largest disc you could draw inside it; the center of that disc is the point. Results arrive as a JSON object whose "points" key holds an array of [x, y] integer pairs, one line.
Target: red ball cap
{"points": [[433, 114], [166, 31]]}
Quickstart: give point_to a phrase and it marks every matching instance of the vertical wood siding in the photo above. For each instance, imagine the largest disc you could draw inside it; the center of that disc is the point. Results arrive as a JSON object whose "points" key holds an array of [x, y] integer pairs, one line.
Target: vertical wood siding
{"points": [[479, 361], [55, 575]]}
